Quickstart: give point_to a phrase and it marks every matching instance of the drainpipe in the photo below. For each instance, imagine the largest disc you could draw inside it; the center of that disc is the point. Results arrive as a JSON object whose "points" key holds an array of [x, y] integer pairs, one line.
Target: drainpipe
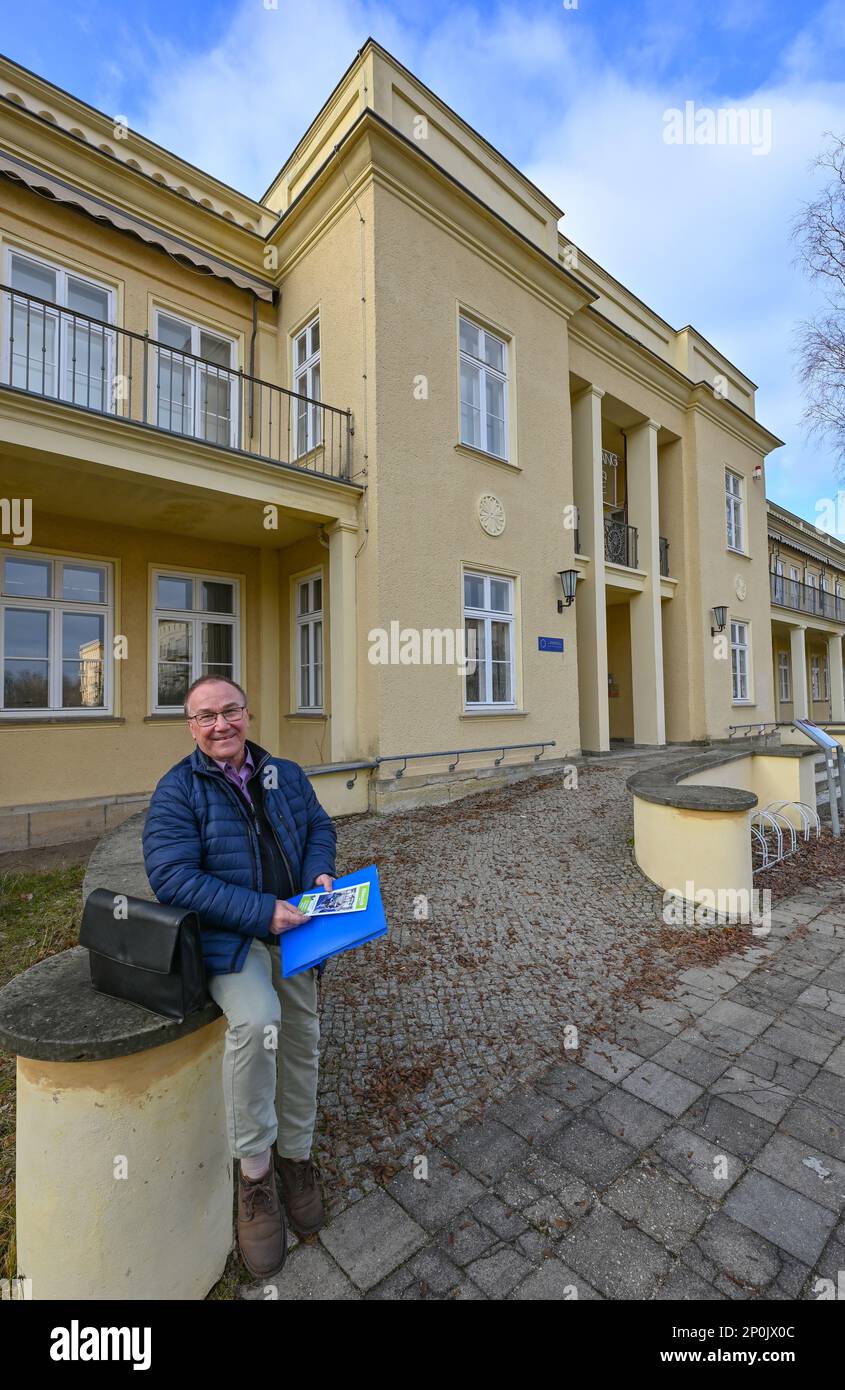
{"points": [[252, 362]]}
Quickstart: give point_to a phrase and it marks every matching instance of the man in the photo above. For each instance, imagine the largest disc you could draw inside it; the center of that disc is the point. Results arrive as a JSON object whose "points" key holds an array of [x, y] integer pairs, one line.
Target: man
{"points": [[231, 833]]}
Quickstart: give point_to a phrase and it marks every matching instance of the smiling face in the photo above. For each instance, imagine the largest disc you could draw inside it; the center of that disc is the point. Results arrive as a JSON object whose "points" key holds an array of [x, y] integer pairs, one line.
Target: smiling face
{"points": [[224, 739]]}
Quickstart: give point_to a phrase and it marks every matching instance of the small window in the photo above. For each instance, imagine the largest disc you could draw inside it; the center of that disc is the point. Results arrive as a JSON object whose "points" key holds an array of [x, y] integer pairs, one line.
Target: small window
{"points": [[484, 389], [740, 667], [195, 633], [56, 618], [308, 415], [784, 687], [815, 676], [734, 511], [309, 644], [490, 678]]}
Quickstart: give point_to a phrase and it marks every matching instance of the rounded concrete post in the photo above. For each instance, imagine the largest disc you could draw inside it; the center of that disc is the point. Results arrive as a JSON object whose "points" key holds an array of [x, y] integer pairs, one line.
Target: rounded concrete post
{"points": [[124, 1176]]}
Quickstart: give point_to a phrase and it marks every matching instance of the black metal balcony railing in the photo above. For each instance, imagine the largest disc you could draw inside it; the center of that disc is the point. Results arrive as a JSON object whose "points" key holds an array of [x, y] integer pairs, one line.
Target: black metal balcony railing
{"points": [[664, 556], [66, 356], [806, 598], [620, 543]]}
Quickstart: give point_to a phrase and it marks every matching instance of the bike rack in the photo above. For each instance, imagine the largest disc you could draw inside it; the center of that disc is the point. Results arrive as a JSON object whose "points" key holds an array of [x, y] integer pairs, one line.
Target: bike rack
{"points": [[772, 820], [808, 815]]}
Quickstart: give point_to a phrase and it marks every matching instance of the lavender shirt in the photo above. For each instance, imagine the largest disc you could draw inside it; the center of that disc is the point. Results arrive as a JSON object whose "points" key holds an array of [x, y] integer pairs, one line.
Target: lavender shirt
{"points": [[238, 776]]}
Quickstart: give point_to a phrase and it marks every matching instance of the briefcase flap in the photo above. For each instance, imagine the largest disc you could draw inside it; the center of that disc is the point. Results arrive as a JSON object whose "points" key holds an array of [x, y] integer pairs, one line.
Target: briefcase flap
{"points": [[132, 931]]}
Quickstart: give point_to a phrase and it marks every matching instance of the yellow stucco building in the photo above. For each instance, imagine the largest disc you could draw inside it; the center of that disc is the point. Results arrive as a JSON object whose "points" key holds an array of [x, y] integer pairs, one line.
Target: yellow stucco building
{"points": [[807, 586], [390, 397]]}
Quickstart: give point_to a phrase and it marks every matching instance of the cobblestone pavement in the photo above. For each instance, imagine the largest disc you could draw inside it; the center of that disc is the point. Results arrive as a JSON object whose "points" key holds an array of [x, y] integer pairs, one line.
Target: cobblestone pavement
{"points": [[692, 1146], [538, 919], [699, 1156]]}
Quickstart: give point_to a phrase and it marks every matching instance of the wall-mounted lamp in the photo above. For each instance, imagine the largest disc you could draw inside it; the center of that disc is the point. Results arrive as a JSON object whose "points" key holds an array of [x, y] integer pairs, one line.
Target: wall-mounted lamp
{"points": [[568, 581], [720, 616], [757, 472]]}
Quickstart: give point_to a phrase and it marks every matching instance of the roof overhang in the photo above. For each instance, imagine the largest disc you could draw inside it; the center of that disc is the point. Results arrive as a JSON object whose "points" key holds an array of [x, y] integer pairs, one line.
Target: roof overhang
{"points": [[51, 186]]}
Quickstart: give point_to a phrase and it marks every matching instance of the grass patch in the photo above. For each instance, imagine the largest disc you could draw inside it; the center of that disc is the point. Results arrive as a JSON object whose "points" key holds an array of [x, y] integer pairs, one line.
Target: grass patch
{"points": [[39, 916]]}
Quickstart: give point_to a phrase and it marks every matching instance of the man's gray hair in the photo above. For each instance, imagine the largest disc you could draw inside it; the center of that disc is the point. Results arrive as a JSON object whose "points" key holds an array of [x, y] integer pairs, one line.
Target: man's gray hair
{"points": [[204, 680]]}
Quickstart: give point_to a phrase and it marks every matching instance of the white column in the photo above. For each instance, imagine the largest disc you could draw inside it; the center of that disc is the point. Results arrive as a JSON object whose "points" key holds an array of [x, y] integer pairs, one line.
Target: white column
{"points": [[590, 611], [835, 676], [343, 644], [798, 672], [646, 619]]}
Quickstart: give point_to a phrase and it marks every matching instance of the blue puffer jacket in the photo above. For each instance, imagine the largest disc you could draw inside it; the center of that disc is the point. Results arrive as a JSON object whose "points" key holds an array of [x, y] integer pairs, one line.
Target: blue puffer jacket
{"points": [[201, 849]]}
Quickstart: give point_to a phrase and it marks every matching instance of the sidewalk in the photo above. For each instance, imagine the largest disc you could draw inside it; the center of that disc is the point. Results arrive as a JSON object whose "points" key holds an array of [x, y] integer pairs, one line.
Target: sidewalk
{"points": [[700, 1155]]}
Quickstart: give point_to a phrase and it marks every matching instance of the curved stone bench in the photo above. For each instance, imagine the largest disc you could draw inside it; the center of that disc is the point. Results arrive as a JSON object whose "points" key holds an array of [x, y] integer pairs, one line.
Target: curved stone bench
{"points": [[692, 816], [124, 1176]]}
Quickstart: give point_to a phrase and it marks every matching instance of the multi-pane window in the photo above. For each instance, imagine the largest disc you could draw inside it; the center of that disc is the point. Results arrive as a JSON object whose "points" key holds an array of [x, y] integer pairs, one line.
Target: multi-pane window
{"points": [[818, 676], [195, 633], [734, 510], [740, 663], [196, 390], [794, 585], [308, 421], [309, 643], [489, 628], [784, 688], [484, 389], [55, 616], [63, 347], [778, 573]]}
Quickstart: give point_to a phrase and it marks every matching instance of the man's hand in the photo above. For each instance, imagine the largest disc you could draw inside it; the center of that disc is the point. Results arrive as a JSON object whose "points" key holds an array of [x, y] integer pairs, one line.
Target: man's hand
{"points": [[285, 916], [325, 881]]}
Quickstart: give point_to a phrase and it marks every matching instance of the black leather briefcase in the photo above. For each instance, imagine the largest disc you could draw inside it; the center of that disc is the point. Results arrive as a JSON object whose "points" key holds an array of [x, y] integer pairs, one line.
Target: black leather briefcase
{"points": [[145, 953]]}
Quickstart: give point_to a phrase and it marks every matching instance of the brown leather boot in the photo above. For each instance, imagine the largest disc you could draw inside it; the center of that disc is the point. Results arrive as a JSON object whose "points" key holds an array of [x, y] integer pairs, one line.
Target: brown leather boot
{"points": [[301, 1193], [262, 1236]]}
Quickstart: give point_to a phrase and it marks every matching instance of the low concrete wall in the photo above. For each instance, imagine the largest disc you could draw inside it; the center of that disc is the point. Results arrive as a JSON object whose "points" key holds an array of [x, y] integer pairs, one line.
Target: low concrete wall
{"points": [[124, 1178], [692, 818]]}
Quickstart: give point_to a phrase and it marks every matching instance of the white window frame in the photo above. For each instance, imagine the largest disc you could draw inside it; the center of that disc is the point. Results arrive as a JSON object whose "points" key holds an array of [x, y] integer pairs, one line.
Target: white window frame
{"points": [[484, 370], [737, 646], [778, 573], [784, 678], [309, 415], [310, 620], [195, 617], [488, 615], [199, 370], [735, 511], [63, 317], [57, 607], [815, 677]]}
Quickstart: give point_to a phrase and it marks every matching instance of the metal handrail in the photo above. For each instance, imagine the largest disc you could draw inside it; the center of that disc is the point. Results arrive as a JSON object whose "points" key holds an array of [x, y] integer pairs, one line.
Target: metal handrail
{"points": [[458, 753], [620, 543], [806, 598], [116, 372], [664, 556]]}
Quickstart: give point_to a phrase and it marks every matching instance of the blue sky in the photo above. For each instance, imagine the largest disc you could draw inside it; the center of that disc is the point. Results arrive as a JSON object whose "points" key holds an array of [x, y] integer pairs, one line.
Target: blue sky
{"points": [[574, 95]]}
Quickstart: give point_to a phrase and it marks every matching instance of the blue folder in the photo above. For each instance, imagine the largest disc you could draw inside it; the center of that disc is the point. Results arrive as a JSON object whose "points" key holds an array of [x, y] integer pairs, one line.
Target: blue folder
{"points": [[320, 937]]}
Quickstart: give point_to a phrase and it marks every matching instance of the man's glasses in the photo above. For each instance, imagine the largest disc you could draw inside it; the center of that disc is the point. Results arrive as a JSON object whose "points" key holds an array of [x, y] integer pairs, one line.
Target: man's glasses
{"points": [[207, 718]]}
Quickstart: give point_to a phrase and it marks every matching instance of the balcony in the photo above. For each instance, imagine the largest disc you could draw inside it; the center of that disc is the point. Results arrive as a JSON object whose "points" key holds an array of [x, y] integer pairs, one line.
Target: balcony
{"points": [[806, 598], [62, 355], [620, 543]]}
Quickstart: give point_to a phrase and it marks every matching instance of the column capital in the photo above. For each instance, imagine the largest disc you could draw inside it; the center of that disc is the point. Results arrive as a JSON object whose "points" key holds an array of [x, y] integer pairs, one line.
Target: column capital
{"points": [[642, 425], [590, 390], [340, 524]]}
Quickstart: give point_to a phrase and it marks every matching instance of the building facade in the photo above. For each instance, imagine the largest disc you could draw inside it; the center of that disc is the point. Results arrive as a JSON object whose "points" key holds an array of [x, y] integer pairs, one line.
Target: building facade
{"points": [[807, 586], [318, 440]]}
